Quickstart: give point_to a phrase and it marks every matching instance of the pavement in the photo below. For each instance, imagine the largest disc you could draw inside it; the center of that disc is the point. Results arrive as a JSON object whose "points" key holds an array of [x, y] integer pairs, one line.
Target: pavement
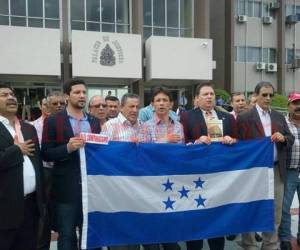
{"points": [[233, 245]]}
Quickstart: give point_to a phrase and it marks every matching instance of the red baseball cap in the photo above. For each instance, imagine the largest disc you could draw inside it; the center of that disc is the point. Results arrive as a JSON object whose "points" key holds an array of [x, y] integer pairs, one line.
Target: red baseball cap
{"points": [[294, 96]]}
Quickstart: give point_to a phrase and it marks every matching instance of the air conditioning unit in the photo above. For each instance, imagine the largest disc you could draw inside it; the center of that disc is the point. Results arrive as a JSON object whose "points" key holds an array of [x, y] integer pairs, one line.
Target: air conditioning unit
{"points": [[274, 6], [260, 66], [296, 63], [291, 19], [242, 18], [267, 19], [271, 67]]}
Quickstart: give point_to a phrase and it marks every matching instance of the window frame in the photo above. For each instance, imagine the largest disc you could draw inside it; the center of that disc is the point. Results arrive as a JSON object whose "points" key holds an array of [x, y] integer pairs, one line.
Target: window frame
{"points": [[29, 18], [116, 25], [165, 28]]}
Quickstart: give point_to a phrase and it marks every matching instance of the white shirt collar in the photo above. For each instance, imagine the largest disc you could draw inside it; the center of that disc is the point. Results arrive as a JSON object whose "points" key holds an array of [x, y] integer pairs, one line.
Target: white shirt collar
{"points": [[261, 111]]}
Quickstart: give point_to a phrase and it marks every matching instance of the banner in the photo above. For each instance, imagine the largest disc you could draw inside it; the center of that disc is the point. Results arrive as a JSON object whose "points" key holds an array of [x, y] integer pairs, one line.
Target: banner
{"points": [[159, 193]]}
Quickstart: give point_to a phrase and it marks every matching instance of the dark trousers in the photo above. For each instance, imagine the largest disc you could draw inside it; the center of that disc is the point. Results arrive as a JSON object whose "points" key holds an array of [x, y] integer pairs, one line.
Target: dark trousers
{"points": [[68, 217], [166, 246], [25, 236], [44, 234], [214, 244]]}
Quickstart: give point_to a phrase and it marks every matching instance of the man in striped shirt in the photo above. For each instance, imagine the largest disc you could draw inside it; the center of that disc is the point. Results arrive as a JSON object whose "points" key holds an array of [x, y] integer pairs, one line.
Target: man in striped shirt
{"points": [[125, 127], [292, 182]]}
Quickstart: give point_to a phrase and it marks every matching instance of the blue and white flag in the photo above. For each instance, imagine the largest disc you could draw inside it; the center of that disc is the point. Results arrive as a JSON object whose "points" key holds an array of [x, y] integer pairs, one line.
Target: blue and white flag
{"points": [[154, 193]]}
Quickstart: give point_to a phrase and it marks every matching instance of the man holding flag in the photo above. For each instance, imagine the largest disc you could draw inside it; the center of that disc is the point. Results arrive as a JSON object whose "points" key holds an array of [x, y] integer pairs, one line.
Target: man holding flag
{"points": [[259, 122], [195, 123]]}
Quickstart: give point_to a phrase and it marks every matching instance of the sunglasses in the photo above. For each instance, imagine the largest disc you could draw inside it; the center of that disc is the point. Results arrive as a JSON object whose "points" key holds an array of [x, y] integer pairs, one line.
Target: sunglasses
{"points": [[99, 105], [266, 94], [56, 103]]}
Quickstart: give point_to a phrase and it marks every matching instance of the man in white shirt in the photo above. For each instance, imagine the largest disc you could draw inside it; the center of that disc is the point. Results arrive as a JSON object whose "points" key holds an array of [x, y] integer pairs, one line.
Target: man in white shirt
{"points": [[21, 194], [259, 122]]}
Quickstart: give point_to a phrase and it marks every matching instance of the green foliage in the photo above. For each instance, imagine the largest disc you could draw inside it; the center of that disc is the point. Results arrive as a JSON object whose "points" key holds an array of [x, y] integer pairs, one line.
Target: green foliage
{"points": [[223, 93], [279, 101]]}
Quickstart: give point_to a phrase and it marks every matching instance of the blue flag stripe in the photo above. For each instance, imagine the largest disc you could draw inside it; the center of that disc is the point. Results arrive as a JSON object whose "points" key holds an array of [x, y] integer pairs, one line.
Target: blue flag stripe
{"points": [[146, 160], [107, 229]]}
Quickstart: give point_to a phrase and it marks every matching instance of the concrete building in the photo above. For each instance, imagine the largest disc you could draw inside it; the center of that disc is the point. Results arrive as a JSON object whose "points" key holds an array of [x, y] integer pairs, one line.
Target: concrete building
{"points": [[115, 45], [256, 40]]}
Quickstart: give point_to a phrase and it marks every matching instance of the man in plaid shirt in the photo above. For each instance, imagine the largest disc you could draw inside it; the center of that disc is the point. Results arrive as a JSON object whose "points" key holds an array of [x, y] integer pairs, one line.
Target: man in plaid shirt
{"points": [[292, 183]]}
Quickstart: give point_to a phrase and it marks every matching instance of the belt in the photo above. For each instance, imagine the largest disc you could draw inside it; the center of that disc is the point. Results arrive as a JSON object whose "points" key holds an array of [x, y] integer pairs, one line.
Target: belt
{"points": [[29, 196]]}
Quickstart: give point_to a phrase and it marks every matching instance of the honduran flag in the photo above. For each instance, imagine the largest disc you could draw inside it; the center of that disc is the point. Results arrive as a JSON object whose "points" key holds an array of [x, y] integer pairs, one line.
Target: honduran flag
{"points": [[160, 193]]}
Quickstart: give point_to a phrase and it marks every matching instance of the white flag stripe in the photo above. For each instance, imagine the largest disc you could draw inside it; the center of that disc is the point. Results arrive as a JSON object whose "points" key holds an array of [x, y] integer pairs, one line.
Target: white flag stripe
{"points": [[146, 194]]}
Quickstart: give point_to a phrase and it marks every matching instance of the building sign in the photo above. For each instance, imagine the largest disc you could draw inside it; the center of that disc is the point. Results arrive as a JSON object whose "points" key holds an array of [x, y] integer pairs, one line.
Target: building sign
{"points": [[106, 55]]}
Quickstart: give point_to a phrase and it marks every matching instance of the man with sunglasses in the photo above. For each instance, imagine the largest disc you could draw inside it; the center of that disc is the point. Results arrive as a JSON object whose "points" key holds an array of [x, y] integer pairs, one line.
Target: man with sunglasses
{"points": [[56, 102], [53, 103], [258, 122], [98, 108]]}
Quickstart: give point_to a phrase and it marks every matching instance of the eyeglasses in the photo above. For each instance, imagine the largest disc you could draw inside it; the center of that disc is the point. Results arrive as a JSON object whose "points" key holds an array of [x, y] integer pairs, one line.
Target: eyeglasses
{"points": [[56, 103], [267, 94], [99, 105]]}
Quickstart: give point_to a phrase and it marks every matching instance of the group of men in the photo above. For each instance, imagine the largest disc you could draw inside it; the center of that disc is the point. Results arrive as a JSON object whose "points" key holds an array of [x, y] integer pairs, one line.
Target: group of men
{"points": [[55, 140]]}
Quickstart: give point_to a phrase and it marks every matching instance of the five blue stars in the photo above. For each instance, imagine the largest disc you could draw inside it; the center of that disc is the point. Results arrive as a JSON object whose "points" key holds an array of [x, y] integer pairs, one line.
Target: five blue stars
{"points": [[200, 201], [199, 183], [169, 203], [168, 185], [184, 192]]}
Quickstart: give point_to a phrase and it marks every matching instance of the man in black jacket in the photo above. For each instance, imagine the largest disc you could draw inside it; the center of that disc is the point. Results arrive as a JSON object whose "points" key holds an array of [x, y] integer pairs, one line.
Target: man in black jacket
{"points": [[195, 123], [61, 144], [21, 193], [259, 122]]}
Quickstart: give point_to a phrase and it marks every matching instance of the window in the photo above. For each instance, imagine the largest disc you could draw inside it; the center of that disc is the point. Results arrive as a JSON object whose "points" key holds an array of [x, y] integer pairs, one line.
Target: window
{"points": [[100, 15], [266, 11], [255, 54], [240, 54], [298, 12], [168, 18], [289, 9], [252, 8], [269, 55], [241, 7], [291, 54], [31, 13]]}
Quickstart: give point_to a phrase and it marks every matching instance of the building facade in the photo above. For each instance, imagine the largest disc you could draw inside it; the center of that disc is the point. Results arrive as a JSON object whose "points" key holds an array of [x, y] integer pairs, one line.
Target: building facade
{"points": [[115, 45], [256, 40]]}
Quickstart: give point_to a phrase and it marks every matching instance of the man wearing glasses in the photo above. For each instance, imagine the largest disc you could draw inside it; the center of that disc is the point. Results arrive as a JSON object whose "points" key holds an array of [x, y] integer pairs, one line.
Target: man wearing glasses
{"points": [[98, 108], [258, 122], [56, 102]]}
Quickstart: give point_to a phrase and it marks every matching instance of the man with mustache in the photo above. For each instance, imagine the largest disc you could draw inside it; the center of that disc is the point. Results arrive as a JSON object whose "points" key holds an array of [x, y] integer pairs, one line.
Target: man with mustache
{"points": [[292, 182], [21, 193]]}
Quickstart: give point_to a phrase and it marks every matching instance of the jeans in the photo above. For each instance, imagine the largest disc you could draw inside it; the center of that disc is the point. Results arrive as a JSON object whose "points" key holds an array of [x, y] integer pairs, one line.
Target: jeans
{"points": [[292, 185], [68, 217]]}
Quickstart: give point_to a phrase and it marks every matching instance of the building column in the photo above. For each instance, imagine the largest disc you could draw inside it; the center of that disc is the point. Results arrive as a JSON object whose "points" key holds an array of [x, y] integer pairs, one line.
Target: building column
{"points": [[229, 45], [281, 48], [201, 19], [137, 87], [65, 46]]}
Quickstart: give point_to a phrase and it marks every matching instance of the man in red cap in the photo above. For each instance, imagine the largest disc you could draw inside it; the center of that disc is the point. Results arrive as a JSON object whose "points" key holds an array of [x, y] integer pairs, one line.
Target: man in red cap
{"points": [[292, 182]]}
